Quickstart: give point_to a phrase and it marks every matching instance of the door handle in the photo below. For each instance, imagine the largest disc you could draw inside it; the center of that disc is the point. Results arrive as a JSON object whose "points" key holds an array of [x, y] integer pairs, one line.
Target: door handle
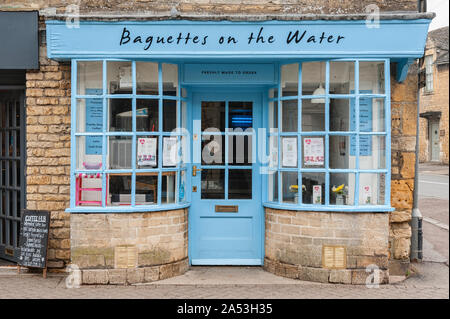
{"points": [[195, 170]]}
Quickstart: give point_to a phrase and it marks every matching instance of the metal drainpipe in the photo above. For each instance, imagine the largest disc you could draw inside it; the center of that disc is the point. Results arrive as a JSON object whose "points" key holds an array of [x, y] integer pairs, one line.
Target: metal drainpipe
{"points": [[416, 253], [416, 220]]}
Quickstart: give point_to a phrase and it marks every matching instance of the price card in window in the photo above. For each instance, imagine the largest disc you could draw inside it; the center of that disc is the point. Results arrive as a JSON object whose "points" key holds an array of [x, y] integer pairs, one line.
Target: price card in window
{"points": [[289, 152], [146, 151], [169, 151], [313, 151], [317, 194], [367, 195]]}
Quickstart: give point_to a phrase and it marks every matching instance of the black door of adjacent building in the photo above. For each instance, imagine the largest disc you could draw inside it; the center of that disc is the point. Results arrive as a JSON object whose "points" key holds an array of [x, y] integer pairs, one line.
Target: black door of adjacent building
{"points": [[12, 167]]}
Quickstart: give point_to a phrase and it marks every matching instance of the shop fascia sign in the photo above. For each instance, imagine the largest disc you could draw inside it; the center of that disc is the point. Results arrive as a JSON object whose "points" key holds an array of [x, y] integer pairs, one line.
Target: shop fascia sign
{"points": [[210, 39]]}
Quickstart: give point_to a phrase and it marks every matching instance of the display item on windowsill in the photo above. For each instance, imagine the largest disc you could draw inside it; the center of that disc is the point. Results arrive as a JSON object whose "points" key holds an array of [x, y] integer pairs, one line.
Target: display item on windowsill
{"points": [[341, 193], [294, 188]]}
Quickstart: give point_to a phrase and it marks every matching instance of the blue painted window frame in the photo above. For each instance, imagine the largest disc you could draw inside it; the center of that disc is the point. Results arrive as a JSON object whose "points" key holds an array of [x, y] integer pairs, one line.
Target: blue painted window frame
{"points": [[357, 94], [180, 168]]}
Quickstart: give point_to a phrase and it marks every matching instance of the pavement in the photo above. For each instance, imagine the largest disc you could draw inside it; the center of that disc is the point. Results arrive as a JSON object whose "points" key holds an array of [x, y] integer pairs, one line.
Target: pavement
{"points": [[434, 207], [429, 281]]}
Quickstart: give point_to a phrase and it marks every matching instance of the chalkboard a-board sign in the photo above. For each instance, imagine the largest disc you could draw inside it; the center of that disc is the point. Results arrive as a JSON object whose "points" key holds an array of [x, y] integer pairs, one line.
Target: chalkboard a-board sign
{"points": [[33, 240]]}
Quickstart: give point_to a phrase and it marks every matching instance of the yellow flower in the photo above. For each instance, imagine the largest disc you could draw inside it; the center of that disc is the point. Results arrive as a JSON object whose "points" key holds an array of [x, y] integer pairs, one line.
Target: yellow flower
{"points": [[338, 189]]}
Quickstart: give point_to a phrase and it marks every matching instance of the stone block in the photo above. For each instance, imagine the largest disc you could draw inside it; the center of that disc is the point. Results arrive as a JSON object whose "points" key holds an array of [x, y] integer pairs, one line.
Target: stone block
{"points": [[400, 216], [361, 277], [151, 274], [95, 276], [135, 275], [117, 276], [166, 271], [314, 274], [340, 276]]}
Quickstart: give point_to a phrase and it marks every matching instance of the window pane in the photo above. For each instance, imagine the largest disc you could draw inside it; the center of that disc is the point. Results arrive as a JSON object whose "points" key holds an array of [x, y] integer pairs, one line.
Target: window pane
{"points": [[378, 116], [147, 78], [273, 151], [89, 152], [147, 115], [372, 152], [213, 150], [168, 187], [119, 152], [90, 115], [146, 188], [213, 116], [273, 186], [240, 150], [313, 78], [313, 191], [313, 116], [90, 77], [183, 115], [240, 115], [342, 77], [170, 79], [213, 183], [339, 153], [170, 155], [273, 114], [119, 77], [146, 152], [169, 115], [372, 189], [240, 184], [289, 151], [289, 79], [88, 189], [120, 115], [182, 191], [289, 181], [289, 120], [119, 189], [368, 115], [371, 77], [340, 114], [313, 155], [342, 189]]}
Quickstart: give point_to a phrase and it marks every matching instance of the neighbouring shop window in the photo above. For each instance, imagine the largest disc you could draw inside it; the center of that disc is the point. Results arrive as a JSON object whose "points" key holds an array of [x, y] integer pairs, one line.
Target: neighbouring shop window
{"points": [[128, 139], [329, 135]]}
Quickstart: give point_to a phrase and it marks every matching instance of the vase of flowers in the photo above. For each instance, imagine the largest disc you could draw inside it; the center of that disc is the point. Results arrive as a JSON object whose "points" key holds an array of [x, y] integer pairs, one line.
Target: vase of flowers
{"points": [[340, 193], [294, 189]]}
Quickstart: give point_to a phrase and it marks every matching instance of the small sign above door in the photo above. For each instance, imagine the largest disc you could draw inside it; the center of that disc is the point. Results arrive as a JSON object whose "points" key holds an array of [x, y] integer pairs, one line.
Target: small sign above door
{"points": [[249, 73]]}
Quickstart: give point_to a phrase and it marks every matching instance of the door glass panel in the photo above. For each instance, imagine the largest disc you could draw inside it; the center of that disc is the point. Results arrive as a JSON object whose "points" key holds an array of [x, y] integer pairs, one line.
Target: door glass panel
{"points": [[240, 150], [240, 115], [213, 184], [213, 116], [213, 150], [240, 184]]}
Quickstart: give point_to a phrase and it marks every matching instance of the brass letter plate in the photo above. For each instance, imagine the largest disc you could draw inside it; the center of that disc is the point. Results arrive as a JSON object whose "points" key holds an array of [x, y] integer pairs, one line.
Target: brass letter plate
{"points": [[226, 208]]}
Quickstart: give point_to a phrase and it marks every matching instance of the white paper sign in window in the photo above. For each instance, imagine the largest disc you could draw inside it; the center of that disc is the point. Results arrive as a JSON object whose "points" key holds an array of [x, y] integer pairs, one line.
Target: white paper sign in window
{"points": [[146, 152], [313, 151], [290, 152], [169, 151]]}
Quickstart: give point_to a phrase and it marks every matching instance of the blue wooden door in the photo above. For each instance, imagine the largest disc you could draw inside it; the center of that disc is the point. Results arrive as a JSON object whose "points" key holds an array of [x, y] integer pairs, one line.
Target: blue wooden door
{"points": [[226, 215]]}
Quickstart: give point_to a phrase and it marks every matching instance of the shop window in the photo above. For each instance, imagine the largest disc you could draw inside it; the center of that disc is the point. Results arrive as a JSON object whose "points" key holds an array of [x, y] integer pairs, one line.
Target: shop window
{"points": [[126, 143], [331, 149]]}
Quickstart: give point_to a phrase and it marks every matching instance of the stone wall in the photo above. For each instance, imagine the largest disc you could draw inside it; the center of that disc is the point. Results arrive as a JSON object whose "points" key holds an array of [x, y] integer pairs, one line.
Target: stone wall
{"points": [[294, 241], [214, 6], [403, 138], [48, 149], [130, 248]]}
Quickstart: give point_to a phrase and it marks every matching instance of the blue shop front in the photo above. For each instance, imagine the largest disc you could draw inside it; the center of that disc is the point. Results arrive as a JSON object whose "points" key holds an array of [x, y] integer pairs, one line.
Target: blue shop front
{"points": [[241, 124]]}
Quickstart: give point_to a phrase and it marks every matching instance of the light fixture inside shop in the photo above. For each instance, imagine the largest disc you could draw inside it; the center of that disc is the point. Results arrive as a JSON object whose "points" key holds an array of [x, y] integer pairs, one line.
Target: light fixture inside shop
{"points": [[320, 90]]}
